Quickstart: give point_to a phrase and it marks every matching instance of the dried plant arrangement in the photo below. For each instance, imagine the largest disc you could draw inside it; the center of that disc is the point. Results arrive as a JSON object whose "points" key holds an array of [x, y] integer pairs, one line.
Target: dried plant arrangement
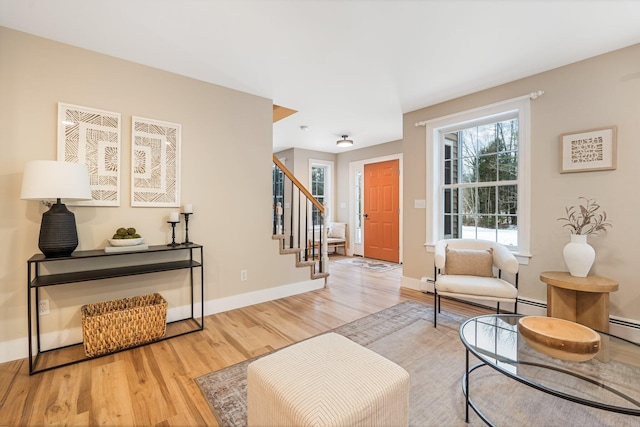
{"points": [[586, 218]]}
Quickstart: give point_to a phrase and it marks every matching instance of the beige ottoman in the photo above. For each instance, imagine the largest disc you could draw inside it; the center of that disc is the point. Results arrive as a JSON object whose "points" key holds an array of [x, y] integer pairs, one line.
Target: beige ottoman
{"points": [[327, 381]]}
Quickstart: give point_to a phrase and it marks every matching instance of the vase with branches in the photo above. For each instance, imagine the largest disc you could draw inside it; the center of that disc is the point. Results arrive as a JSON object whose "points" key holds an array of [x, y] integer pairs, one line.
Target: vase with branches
{"points": [[586, 218], [582, 220]]}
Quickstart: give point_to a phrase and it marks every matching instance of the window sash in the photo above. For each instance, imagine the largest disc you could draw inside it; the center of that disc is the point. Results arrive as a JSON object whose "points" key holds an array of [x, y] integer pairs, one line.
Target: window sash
{"points": [[463, 186]]}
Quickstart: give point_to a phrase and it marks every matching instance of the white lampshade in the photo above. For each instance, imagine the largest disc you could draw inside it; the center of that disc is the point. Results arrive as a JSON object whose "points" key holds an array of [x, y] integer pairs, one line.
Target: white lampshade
{"points": [[51, 180]]}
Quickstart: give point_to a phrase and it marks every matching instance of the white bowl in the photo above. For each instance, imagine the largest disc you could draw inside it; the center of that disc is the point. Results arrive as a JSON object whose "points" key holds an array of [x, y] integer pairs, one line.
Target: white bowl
{"points": [[126, 242]]}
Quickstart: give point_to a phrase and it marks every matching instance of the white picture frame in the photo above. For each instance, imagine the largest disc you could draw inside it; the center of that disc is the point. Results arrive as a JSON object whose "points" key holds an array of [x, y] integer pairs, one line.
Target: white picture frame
{"points": [[155, 163], [92, 137], [591, 150]]}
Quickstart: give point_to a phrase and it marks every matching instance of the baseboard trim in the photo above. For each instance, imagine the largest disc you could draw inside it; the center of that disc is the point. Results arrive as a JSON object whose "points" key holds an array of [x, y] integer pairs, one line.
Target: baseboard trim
{"points": [[250, 298], [18, 348]]}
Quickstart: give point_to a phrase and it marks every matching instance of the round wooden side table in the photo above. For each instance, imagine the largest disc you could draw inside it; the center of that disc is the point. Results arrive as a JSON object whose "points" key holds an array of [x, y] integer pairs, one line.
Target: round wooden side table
{"points": [[583, 300]]}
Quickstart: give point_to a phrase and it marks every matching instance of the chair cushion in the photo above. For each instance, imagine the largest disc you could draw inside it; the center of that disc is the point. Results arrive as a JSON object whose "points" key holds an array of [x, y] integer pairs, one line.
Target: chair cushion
{"points": [[473, 285], [469, 262], [337, 230], [333, 241]]}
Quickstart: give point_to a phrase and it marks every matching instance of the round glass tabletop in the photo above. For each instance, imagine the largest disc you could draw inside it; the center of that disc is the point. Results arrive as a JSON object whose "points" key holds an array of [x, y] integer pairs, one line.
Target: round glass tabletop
{"points": [[609, 381]]}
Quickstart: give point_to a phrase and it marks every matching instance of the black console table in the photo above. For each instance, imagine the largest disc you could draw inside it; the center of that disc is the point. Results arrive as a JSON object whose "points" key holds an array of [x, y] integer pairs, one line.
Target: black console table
{"points": [[138, 262]]}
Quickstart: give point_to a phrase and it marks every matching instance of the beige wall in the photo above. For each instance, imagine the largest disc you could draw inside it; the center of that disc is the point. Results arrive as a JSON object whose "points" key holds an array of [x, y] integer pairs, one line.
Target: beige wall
{"points": [[297, 161], [342, 171], [226, 175], [599, 92]]}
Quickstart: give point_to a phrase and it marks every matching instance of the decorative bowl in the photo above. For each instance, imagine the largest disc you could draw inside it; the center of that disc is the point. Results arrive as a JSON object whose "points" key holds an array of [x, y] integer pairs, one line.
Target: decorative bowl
{"points": [[560, 338], [126, 242]]}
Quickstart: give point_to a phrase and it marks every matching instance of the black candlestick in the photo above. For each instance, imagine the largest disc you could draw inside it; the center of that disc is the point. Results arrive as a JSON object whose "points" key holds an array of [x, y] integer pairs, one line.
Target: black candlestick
{"points": [[186, 228], [173, 233]]}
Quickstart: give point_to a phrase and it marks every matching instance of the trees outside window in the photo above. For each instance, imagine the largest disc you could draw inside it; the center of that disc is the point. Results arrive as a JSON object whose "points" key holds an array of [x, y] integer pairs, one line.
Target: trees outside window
{"points": [[318, 174], [480, 187], [321, 187]]}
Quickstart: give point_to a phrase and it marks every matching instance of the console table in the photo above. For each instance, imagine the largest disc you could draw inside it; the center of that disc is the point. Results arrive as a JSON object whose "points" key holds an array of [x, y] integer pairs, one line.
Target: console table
{"points": [[582, 300], [167, 258]]}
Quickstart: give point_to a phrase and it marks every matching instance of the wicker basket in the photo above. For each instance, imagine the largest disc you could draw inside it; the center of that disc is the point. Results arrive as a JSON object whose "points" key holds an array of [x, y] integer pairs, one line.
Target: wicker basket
{"points": [[114, 325]]}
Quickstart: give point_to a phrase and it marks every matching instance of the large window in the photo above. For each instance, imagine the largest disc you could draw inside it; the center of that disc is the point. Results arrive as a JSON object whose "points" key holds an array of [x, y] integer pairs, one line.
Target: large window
{"points": [[479, 180]]}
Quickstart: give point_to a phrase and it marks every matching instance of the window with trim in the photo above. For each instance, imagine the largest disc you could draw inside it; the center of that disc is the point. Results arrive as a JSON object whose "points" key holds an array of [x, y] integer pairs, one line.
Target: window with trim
{"points": [[320, 186], [480, 180]]}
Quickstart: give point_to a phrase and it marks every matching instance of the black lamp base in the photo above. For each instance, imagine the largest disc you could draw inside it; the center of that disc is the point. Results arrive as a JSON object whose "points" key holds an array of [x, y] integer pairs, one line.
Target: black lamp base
{"points": [[58, 233]]}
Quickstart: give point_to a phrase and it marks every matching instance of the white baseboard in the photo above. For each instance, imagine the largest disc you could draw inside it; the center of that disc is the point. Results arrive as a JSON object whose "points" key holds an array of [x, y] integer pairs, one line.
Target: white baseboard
{"points": [[250, 298], [416, 284], [18, 348]]}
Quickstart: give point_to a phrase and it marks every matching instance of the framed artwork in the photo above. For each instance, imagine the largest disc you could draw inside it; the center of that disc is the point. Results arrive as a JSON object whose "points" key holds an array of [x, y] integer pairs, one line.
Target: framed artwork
{"points": [[590, 150], [92, 137], [155, 163]]}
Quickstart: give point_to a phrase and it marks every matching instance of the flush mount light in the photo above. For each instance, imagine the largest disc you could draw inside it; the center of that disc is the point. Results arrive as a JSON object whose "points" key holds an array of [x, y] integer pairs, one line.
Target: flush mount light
{"points": [[344, 142]]}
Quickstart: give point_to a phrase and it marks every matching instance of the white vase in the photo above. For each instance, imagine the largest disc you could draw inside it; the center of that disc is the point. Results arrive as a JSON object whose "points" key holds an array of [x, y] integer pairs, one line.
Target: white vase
{"points": [[579, 255]]}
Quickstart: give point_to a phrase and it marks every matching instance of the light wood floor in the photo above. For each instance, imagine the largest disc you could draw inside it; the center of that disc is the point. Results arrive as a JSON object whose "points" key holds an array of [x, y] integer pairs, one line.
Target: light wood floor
{"points": [[154, 384]]}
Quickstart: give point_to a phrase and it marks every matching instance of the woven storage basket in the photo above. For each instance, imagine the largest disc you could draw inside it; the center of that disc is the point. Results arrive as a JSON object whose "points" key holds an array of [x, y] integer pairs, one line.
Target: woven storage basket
{"points": [[114, 325]]}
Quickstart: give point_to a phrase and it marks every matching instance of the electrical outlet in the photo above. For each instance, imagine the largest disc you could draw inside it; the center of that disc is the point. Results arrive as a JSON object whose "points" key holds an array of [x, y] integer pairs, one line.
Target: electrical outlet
{"points": [[243, 275], [43, 309]]}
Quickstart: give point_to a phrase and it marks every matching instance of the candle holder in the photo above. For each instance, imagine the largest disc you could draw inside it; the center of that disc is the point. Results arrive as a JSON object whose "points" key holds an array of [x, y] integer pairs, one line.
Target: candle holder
{"points": [[173, 233], [186, 228]]}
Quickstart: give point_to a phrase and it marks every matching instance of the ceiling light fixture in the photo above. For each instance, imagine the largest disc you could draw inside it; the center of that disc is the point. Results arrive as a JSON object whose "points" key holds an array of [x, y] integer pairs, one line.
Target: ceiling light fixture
{"points": [[344, 142]]}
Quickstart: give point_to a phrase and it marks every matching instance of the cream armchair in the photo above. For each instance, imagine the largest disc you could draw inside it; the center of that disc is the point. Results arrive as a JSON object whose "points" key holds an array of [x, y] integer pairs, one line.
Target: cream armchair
{"points": [[465, 268], [337, 236]]}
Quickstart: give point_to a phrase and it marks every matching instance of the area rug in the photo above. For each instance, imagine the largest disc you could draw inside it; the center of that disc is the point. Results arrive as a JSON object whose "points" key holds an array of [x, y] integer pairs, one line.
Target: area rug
{"points": [[370, 264], [435, 360]]}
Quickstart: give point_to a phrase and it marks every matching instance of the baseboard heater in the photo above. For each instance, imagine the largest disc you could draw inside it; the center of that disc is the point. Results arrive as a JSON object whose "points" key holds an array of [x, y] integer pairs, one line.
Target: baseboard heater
{"points": [[625, 323], [634, 325]]}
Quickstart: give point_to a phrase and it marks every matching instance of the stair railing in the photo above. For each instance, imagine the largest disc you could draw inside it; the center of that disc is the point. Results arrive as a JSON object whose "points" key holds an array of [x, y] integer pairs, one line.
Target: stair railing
{"points": [[298, 218]]}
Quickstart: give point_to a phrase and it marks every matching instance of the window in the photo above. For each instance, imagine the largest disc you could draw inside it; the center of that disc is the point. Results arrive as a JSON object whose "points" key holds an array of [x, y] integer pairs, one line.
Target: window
{"points": [[317, 189], [479, 183], [320, 173], [358, 225], [277, 181]]}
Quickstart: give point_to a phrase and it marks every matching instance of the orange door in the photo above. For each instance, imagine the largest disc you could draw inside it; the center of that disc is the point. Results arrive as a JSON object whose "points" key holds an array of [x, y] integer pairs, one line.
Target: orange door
{"points": [[382, 210]]}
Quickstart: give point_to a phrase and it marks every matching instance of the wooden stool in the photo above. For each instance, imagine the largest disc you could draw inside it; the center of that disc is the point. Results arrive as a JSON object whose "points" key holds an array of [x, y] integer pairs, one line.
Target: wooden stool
{"points": [[583, 300]]}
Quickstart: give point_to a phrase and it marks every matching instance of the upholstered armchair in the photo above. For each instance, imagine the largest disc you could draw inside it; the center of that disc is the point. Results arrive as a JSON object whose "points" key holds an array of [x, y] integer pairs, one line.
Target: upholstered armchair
{"points": [[466, 268]]}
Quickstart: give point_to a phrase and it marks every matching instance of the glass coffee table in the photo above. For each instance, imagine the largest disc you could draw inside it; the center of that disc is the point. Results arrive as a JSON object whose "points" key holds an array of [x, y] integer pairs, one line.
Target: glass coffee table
{"points": [[608, 382]]}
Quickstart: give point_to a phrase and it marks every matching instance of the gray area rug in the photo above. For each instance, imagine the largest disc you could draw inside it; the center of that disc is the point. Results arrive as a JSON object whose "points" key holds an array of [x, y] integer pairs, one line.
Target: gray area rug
{"points": [[435, 360], [370, 264]]}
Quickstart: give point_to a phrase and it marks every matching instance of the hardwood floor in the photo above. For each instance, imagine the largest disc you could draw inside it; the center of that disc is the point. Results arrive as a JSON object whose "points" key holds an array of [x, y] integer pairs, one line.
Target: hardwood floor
{"points": [[154, 384]]}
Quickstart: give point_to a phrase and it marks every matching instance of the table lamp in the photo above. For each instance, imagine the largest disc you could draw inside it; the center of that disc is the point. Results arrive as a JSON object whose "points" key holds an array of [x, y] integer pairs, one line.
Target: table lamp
{"points": [[52, 180]]}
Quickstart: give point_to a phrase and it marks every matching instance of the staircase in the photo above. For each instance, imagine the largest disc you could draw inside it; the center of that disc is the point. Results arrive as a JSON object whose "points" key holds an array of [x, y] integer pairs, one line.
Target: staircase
{"points": [[298, 223]]}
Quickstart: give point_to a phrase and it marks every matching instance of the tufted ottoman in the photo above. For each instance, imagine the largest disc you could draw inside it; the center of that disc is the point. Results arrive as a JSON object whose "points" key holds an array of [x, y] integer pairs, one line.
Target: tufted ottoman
{"points": [[326, 381]]}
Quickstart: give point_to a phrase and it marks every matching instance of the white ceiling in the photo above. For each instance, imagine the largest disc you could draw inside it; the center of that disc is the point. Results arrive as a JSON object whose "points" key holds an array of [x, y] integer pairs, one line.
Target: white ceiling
{"points": [[349, 67]]}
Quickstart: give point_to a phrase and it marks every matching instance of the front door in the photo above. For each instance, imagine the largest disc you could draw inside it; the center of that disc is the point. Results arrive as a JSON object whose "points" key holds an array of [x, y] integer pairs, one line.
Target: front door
{"points": [[381, 204]]}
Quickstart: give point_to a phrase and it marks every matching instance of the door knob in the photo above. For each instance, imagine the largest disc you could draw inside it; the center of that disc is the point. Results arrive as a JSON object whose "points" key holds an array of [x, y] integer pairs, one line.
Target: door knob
{"points": [[366, 215]]}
